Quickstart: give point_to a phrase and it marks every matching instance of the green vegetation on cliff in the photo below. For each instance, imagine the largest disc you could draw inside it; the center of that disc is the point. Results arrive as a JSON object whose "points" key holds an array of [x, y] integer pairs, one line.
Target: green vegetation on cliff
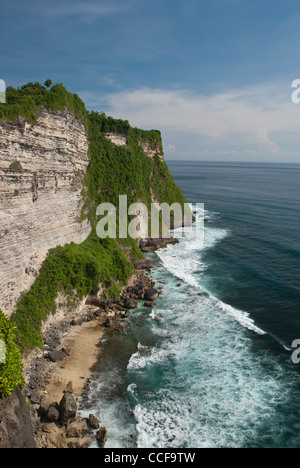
{"points": [[27, 101], [125, 170], [77, 270], [10, 358]]}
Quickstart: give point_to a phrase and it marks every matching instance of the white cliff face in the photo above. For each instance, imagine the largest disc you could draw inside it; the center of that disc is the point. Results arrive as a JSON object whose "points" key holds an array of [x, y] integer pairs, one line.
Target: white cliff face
{"points": [[152, 152], [117, 139], [40, 204]]}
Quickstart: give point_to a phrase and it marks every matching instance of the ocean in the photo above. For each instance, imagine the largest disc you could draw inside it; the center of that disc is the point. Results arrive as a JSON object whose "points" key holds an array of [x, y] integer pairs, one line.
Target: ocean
{"points": [[211, 365]]}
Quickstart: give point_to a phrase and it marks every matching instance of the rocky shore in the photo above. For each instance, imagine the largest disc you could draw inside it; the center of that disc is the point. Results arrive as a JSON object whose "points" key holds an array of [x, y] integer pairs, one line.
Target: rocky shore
{"points": [[57, 375]]}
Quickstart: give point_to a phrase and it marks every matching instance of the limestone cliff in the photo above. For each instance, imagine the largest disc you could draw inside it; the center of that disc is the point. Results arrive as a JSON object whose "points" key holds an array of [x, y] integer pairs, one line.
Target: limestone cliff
{"points": [[40, 195], [117, 139], [57, 166]]}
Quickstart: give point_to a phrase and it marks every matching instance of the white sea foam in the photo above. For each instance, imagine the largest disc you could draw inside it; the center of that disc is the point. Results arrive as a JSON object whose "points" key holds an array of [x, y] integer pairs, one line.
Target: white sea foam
{"points": [[240, 316], [188, 265], [149, 356], [131, 389], [215, 387]]}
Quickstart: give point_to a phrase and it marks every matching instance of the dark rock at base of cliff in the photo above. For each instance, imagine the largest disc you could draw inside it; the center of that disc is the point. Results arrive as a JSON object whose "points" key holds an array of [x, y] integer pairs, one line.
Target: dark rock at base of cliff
{"points": [[35, 398], [93, 422], [130, 303], [39, 374], [151, 295], [150, 304], [94, 301], [56, 356], [67, 408], [143, 264], [78, 322], [59, 426], [43, 409], [151, 245], [102, 437], [52, 414], [16, 429]]}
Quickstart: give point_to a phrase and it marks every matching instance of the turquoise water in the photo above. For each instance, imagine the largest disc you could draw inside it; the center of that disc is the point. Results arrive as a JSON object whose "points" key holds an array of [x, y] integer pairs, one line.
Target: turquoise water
{"points": [[210, 366]]}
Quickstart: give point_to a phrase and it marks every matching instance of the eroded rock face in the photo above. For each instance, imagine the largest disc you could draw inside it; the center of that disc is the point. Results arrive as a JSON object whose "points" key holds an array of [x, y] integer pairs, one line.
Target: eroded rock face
{"points": [[40, 203], [16, 430], [120, 139], [152, 152], [117, 139]]}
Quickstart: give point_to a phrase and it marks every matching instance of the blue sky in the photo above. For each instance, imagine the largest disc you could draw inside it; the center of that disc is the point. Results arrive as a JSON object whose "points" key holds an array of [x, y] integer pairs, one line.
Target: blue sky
{"points": [[214, 76]]}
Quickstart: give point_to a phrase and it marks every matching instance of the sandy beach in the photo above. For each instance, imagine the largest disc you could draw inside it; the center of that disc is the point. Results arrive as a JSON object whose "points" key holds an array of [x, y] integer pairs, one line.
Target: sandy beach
{"points": [[72, 349], [83, 351]]}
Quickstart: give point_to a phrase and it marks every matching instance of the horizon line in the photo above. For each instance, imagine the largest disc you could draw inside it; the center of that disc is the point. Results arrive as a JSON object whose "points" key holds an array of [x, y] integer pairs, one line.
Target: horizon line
{"points": [[230, 162]]}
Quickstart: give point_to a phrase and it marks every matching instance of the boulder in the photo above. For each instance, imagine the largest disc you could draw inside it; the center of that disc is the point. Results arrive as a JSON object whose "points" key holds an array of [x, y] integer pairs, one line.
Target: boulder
{"points": [[35, 398], [69, 388], [102, 437], [52, 414], [130, 303], [151, 295], [93, 422], [43, 409], [150, 304], [57, 356], [67, 409]]}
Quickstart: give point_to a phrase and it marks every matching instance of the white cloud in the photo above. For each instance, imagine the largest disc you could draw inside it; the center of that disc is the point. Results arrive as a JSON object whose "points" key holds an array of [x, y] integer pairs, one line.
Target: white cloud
{"points": [[253, 123], [252, 116]]}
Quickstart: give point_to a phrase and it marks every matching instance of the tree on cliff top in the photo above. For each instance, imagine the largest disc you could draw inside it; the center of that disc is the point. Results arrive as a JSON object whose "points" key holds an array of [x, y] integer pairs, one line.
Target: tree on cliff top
{"points": [[48, 83]]}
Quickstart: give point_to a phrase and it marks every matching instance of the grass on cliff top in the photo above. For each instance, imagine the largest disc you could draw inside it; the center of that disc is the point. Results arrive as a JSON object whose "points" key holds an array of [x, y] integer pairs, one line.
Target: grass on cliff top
{"points": [[27, 101]]}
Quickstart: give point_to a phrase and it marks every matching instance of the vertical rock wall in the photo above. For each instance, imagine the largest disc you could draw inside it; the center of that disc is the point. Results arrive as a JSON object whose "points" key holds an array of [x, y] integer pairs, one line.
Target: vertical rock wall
{"points": [[41, 169]]}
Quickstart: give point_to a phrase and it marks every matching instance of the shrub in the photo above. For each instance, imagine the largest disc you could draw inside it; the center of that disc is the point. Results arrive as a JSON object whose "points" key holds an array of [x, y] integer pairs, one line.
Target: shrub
{"points": [[16, 166], [10, 370]]}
